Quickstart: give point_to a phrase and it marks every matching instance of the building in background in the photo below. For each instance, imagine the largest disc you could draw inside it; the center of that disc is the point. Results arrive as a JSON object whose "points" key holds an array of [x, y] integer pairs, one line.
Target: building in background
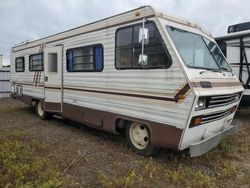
{"points": [[4, 79]]}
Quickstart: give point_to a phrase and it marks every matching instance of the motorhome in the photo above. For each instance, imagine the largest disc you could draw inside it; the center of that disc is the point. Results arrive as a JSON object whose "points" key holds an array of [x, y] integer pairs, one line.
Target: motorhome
{"points": [[160, 80], [236, 47]]}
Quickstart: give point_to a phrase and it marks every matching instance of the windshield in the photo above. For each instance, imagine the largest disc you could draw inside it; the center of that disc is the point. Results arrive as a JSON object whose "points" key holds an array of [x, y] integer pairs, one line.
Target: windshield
{"points": [[197, 51]]}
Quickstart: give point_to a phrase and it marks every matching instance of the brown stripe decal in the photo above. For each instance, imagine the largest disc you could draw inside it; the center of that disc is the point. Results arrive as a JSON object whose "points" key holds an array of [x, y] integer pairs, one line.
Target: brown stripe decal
{"points": [[124, 94], [52, 87], [34, 78], [218, 84], [39, 77], [179, 95], [28, 84]]}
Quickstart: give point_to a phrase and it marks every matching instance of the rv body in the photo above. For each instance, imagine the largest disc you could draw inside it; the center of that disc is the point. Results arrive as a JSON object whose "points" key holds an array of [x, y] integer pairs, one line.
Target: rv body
{"points": [[236, 47], [92, 75]]}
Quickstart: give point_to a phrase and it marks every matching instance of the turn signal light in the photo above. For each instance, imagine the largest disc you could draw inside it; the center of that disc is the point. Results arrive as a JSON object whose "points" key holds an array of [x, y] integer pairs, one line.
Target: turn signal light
{"points": [[195, 121]]}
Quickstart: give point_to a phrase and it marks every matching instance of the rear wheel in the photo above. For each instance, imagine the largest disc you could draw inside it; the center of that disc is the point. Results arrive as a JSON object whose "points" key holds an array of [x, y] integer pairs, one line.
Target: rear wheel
{"points": [[138, 137], [40, 111]]}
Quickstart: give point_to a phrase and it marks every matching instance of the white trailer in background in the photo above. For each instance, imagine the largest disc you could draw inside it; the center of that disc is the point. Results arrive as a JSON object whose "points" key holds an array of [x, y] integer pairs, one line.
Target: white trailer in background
{"points": [[161, 79], [236, 47]]}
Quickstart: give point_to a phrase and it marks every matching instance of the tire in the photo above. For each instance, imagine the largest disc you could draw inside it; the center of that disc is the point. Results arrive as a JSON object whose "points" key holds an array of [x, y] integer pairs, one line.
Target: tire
{"points": [[138, 137], [40, 111]]}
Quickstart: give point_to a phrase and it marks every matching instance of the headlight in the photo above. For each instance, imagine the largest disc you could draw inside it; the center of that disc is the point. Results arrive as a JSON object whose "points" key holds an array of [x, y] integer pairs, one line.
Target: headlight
{"points": [[201, 104], [237, 97]]}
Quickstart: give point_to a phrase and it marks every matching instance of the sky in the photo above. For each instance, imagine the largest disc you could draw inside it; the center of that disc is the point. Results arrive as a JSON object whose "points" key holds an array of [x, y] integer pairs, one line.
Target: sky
{"points": [[22, 20]]}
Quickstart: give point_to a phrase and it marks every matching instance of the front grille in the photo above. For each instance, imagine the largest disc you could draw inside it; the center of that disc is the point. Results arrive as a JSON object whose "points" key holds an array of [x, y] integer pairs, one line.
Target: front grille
{"points": [[216, 116], [222, 100], [207, 118]]}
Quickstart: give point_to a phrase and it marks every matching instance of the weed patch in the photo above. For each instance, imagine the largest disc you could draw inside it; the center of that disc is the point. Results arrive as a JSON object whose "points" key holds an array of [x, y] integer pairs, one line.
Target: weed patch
{"points": [[146, 175], [20, 167]]}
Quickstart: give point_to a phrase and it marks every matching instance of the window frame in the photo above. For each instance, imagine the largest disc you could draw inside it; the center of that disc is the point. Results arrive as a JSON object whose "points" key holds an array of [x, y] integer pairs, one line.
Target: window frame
{"points": [[160, 38], [94, 63], [42, 61], [23, 66]]}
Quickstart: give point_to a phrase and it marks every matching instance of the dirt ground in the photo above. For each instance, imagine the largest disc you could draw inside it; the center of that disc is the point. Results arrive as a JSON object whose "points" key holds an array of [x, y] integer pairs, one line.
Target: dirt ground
{"points": [[59, 153]]}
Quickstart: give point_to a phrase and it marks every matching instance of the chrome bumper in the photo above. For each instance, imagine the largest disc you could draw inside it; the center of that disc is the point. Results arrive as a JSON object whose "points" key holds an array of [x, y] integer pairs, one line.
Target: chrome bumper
{"points": [[210, 141]]}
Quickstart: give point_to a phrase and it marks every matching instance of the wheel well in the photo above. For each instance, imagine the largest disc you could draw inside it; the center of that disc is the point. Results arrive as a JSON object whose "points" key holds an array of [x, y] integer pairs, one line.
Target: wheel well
{"points": [[120, 124], [33, 102]]}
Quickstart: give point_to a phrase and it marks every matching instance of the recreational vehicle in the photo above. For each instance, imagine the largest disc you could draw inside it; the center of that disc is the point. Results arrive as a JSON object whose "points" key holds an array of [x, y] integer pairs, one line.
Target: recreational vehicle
{"points": [[160, 80], [236, 47]]}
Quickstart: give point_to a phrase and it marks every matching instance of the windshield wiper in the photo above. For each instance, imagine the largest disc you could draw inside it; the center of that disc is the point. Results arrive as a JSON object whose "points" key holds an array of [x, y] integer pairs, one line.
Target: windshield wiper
{"points": [[212, 70], [225, 69], [219, 70], [231, 71]]}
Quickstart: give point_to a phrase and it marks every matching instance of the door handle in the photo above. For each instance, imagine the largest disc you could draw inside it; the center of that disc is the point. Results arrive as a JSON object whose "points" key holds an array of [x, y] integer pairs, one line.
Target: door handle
{"points": [[45, 78]]}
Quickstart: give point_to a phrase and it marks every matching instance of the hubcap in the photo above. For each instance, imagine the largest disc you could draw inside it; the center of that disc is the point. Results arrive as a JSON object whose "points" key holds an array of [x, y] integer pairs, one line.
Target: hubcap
{"points": [[139, 135], [39, 109]]}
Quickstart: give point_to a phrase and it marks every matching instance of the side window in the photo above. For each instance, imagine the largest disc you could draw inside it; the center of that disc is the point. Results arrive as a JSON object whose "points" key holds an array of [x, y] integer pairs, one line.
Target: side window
{"points": [[124, 47], [36, 62], [85, 59], [20, 64], [128, 48], [52, 62]]}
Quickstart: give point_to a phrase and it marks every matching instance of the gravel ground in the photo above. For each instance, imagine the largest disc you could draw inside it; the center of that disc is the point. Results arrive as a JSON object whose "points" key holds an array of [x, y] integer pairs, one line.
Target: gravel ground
{"points": [[85, 157]]}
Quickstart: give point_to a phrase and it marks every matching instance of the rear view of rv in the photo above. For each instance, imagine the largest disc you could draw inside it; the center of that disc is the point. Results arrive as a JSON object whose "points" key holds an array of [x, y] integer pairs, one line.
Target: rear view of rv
{"points": [[236, 47], [161, 80]]}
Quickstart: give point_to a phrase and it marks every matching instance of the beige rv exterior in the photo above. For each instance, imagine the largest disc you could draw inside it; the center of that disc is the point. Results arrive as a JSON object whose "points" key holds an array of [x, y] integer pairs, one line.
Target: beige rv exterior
{"points": [[157, 104]]}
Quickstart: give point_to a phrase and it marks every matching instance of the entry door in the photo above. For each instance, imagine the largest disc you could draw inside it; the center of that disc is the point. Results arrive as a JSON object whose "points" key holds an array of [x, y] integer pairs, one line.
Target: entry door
{"points": [[53, 79]]}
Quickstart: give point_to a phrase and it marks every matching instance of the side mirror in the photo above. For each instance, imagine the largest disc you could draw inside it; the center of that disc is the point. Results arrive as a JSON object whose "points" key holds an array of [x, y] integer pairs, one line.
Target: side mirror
{"points": [[143, 35], [143, 60]]}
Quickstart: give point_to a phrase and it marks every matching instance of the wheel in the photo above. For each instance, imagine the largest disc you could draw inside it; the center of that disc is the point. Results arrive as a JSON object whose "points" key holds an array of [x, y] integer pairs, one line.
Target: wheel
{"points": [[139, 139], [40, 111]]}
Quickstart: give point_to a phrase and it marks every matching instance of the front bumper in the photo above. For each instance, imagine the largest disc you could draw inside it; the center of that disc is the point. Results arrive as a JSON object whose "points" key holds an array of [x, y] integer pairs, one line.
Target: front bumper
{"points": [[210, 140]]}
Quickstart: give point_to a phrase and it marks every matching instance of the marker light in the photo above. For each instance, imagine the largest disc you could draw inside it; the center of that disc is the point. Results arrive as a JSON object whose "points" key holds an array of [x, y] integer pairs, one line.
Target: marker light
{"points": [[137, 14]]}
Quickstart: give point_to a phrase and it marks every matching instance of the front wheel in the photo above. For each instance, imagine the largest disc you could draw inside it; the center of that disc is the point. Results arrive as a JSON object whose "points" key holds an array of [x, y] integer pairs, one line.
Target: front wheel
{"points": [[40, 111], [138, 137]]}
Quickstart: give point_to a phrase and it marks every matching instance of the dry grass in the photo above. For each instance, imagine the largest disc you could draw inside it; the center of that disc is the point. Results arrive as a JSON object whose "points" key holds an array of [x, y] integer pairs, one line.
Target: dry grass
{"points": [[36, 153]]}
